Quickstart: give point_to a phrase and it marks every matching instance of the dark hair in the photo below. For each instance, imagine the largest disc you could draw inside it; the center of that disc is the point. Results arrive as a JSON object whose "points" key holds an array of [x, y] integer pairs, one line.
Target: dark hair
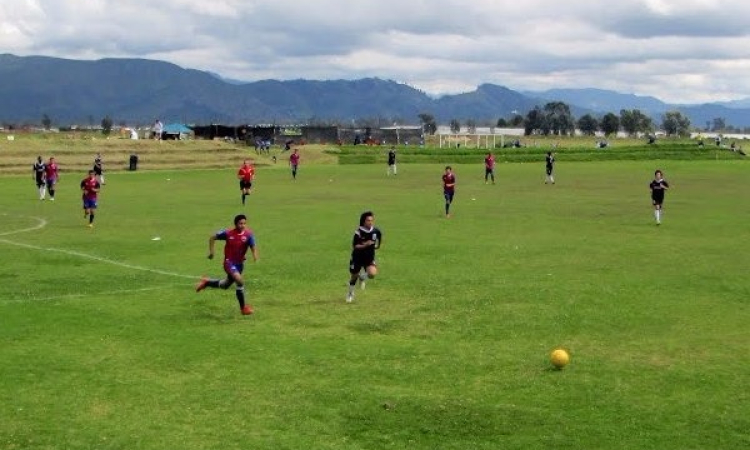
{"points": [[448, 168], [658, 171], [364, 216], [239, 217]]}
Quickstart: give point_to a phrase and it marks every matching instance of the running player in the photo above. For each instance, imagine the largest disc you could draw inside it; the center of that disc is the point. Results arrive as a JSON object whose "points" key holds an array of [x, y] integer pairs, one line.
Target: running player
{"points": [[449, 189], [238, 240], [658, 186], [51, 175], [549, 162], [362, 264], [246, 175], [38, 172], [90, 192], [294, 162], [489, 168]]}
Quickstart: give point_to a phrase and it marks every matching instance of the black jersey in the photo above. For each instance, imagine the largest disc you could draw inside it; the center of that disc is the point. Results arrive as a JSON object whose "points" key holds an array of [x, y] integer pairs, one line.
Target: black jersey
{"points": [[657, 189], [550, 160], [98, 165], [39, 169], [362, 235], [392, 157]]}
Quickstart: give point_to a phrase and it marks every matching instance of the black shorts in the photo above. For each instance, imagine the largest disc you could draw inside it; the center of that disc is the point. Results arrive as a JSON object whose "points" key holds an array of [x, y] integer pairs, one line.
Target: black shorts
{"points": [[97, 170], [246, 184], [39, 182], [449, 195], [355, 265], [657, 197], [488, 171], [549, 170]]}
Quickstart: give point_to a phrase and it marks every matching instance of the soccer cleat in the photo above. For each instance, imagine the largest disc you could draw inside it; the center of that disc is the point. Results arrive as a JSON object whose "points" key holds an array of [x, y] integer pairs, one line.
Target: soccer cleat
{"points": [[349, 298], [52, 199], [201, 284], [91, 225], [246, 310]]}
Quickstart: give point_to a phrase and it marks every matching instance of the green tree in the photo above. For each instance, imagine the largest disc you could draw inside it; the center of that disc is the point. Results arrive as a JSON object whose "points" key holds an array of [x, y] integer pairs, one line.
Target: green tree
{"points": [[718, 124], [535, 122], [517, 121], [471, 126], [675, 124], [106, 125], [559, 120], [502, 123], [610, 124], [633, 121], [428, 123], [46, 122], [455, 126], [588, 125]]}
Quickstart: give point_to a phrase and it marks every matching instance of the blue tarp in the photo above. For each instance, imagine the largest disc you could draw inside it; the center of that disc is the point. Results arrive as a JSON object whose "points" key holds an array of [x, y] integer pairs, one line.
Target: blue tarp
{"points": [[176, 128]]}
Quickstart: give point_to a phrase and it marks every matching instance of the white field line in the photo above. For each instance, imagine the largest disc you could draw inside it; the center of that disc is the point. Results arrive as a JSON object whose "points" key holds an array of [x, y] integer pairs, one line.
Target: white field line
{"points": [[41, 223], [83, 295]]}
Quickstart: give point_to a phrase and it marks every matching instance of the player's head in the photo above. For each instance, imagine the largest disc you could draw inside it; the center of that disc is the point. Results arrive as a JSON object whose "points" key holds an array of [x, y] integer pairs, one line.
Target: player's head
{"points": [[240, 220], [366, 219], [91, 174], [39, 158], [549, 153], [51, 159], [658, 173], [448, 169]]}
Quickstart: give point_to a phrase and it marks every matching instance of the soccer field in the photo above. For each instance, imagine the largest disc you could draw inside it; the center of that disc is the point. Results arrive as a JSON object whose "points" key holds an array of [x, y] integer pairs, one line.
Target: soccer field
{"points": [[105, 344]]}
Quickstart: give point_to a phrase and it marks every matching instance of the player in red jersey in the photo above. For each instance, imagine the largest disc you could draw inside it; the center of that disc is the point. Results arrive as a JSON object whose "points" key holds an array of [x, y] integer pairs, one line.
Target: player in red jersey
{"points": [[489, 168], [246, 175], [52, 175], [449, 189], [238, 240], [294, 162], [90, 187]]}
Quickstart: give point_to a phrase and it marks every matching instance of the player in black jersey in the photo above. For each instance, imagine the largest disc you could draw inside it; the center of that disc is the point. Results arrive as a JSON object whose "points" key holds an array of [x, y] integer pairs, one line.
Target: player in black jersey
{"points": [[549, 167], [39, 169], [362, 265], [99, 168], [658, 186]]}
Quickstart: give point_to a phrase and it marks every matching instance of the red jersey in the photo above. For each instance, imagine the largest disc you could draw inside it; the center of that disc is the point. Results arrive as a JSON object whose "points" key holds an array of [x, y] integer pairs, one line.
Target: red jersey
{"points": [[237, 243], [449, 182], [90, 187], [246, 173], [51, 171], [489, 162], [294, 159]]}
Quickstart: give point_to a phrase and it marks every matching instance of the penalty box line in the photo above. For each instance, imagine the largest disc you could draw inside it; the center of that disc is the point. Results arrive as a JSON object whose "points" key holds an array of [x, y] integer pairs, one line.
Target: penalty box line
{"points": [[41, 223]]}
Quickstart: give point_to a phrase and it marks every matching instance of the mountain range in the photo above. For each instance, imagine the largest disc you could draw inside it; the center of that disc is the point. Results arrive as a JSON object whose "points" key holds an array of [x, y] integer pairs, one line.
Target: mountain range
{"points": [[137, 91]]}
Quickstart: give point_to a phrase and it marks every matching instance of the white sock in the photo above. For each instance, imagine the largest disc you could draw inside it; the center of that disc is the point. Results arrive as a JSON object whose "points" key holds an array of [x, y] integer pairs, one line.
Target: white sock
{"points": [[656, 215], [41, 192], [351, 290], [363, 276]]}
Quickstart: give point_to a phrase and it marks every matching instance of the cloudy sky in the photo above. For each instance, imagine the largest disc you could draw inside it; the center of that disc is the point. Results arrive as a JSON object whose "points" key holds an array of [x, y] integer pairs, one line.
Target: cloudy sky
{"points": [[680, 51]]}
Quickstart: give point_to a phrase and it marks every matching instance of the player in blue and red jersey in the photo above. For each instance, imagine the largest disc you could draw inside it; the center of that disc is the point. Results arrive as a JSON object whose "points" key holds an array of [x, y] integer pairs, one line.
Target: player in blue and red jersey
{"points": [[489, 168], [246, 175], [294, 163], [449, 189], [90, 187], [238, 240], [52, 174]]}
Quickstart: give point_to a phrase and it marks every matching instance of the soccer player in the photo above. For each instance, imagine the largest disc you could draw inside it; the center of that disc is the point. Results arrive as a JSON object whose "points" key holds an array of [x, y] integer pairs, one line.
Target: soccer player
{"points": [[658, 186], [51, 175], [90, 187], [246, 175], [238, 240], [362, 265], [39, 170], [489, 168], [294, 162], [549, 167], [449, 189], [392, 162], [98, 168]]}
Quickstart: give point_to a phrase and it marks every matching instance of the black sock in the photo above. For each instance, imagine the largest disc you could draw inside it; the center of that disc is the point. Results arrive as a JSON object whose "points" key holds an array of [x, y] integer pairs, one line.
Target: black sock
{"points": [[213, 283], [91, 217], [52, 193], [447, 208], [240, 292], [243, 198]]}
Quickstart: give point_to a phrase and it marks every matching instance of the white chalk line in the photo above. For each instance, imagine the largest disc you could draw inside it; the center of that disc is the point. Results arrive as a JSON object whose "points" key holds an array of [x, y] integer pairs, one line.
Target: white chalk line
{"points": [[41, 223], [88, 294]]}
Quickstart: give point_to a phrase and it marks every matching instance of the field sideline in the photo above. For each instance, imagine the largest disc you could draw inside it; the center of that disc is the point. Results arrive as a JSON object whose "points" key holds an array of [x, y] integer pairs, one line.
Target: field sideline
{"points": [[105, 344]]}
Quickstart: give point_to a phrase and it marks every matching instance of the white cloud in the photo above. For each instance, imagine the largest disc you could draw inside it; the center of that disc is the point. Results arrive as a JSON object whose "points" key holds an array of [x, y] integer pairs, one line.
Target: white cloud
{"points": [[679, 51]]}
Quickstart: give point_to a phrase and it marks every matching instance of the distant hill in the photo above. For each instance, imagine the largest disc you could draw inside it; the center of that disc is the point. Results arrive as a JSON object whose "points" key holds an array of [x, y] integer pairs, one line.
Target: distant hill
{"points": [[137, 91]]}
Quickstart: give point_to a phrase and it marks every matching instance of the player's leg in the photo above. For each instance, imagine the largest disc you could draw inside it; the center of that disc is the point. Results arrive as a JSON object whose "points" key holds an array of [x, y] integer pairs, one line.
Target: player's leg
{"points": [[51, 189], [448, 200], [92, 209], [354, 269], [236, 276], [40, 187]]}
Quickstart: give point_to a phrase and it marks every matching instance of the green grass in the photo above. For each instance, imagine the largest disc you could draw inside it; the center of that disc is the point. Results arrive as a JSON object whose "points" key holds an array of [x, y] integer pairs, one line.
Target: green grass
{"points": [[104, 344]]}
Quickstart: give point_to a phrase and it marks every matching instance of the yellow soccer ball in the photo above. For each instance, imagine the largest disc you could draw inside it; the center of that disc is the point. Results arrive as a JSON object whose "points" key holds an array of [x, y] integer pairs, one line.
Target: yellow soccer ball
{"points": [[559, 358]]}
